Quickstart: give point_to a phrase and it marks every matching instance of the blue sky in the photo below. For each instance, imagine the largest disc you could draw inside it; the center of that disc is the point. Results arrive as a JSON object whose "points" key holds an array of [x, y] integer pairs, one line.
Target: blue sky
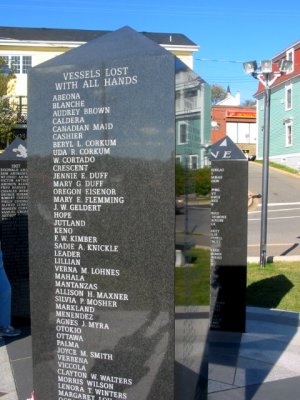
{"points": [[228, 32]]}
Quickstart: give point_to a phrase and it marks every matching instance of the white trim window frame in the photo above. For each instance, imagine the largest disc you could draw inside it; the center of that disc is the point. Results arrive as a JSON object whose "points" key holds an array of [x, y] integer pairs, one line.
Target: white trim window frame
{"points": [[183, 133], [19, 63], [178, 159], [290, 56], [288, 97], [194, 161], [288, 134]]}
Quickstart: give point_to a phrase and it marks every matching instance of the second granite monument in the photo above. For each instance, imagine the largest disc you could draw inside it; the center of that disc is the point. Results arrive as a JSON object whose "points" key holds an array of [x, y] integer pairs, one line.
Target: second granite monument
{"points": [[229, 207], [14, 226]]}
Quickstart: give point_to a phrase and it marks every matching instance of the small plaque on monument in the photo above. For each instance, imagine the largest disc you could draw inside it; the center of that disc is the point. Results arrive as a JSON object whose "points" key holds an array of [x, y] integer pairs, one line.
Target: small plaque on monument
{"points": [[101, 168], [14, 224], [229, 206]]}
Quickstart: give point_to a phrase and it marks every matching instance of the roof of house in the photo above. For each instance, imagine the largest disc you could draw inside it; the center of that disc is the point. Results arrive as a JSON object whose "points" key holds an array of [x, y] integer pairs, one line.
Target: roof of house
{"points": [[280, 55], [284, 77], [80, 35]]}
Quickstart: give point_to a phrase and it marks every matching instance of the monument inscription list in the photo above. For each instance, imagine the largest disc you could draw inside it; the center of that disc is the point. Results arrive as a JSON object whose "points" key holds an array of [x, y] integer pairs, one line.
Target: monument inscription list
{"points": [[229, 202], [14, 225], [101, 184]]}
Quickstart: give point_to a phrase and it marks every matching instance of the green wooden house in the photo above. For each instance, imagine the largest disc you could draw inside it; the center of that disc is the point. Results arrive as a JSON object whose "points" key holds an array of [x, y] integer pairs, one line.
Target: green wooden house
{"points": [[193, 121], [284, 111]]}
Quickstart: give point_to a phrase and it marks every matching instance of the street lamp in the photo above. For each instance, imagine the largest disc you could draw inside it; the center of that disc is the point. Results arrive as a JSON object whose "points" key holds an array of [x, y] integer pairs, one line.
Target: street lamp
{"points": [[266, 76]]}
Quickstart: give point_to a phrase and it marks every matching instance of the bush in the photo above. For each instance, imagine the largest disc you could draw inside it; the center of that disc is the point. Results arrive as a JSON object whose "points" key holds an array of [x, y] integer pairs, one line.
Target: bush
{"points": [[180, 179], [201, 181], [192, 181]]}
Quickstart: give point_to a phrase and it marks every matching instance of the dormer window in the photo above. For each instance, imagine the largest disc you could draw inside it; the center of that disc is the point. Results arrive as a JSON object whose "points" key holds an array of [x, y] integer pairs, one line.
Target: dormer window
{"points": [[290, 57]]}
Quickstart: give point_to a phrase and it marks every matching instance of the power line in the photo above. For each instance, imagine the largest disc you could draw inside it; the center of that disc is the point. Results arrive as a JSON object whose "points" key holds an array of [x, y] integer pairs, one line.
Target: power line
{"points": [[220, 60]]}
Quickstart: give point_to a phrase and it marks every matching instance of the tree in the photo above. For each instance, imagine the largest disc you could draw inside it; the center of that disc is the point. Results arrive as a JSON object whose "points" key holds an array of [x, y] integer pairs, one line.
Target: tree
{"points": [[249, 103], [6, 74], [8, 116], [201, 181], [189, 181], [218, 93], [180, 177], [8, 120]]}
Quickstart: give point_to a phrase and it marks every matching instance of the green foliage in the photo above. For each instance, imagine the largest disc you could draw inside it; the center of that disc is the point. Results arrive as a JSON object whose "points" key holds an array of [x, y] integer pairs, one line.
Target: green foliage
{"points": [[180, 178], [8, 116], [201, 179], [8, 120], [218, 93], [275, 286], [196, 181], [249, 103], [5, 76], [280, 166], [192, 284]]}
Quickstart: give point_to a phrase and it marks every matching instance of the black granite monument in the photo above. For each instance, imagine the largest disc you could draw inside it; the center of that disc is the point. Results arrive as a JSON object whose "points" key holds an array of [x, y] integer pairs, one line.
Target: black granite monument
{"points": [[14, 225], [101, 167], [229, 204]]}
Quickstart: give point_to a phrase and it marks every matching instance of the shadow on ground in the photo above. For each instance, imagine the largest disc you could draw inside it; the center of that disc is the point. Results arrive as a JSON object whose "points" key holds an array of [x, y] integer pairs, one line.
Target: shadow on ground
{"points": [[267, 293]]}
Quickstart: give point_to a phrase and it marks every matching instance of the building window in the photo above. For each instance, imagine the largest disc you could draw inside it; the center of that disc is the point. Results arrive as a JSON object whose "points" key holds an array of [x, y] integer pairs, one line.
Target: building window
{"points": [[183, 136], [19, 64], [27, 63], [241, 132], [288, 97], [288, 134], [290, 57], [178, 159], [253, 132], [190, 93], [193, 162], [232, 131], [15, 64]]}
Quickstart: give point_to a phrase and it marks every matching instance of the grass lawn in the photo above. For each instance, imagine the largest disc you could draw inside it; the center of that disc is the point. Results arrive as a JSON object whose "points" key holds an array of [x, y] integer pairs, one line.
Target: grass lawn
{"points": [[280, 166], [275, 286], [192, 283]]}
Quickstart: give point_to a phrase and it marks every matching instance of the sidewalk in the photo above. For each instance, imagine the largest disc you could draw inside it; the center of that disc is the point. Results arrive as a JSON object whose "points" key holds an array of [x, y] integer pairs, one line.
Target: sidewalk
{"points": [[7, 383], [16, 367], [261, 364]]}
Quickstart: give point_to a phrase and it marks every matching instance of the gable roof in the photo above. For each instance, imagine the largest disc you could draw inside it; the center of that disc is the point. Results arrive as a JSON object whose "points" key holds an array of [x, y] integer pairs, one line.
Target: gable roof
{"points": [[281, 55], [124, 42], [284, 77], [82, 36]]}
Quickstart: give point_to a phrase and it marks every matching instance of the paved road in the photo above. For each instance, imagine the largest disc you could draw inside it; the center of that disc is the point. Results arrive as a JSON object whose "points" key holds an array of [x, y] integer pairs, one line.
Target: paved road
{"points": [[194, 225], [283, 188], [283, 229], [283, 216]]}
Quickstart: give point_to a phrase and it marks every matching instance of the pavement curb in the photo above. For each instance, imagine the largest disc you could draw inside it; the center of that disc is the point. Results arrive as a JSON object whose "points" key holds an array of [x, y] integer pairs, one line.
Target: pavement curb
{"points": [[271, 259], [282, 171]]}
